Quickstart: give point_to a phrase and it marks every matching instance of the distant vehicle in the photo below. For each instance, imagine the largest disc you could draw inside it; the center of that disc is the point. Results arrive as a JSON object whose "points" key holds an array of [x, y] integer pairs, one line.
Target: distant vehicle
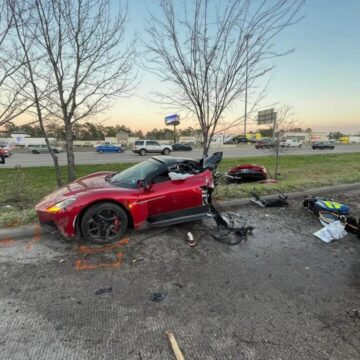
{"points": [[7, 149], [109, 147], [291, 143], [181, 147], [264, 144], [41, 149], [142, 147], [4, 153], [237, 140], [322, 145]]}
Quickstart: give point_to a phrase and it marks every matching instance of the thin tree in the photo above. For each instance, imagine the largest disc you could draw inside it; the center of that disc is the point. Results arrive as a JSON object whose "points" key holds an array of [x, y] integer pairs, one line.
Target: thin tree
{"points": [[12, 103], [78, 57], [207, 52]]}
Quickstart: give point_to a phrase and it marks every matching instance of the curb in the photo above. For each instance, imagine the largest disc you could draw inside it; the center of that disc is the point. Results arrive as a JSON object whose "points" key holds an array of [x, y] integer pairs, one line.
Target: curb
{"points": [[26, 231], [294, 195], [33, 230]]}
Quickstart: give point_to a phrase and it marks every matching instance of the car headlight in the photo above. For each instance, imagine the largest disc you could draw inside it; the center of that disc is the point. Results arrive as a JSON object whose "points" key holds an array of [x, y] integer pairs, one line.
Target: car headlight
{"points": [[61, 205]]}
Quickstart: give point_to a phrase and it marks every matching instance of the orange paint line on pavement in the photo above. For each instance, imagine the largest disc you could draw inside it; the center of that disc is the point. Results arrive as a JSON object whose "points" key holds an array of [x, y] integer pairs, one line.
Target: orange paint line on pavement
{"points": [[83, 265], [35, 239], [96, 250], [7, 242]]}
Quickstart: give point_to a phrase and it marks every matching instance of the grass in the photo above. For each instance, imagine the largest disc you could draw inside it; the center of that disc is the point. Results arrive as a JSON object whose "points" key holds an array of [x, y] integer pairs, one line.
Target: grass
{"points": [[23, 187]]}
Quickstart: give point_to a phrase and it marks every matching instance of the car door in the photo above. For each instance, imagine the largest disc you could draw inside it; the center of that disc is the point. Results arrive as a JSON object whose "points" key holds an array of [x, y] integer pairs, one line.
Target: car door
{"points": [[173, 197]]}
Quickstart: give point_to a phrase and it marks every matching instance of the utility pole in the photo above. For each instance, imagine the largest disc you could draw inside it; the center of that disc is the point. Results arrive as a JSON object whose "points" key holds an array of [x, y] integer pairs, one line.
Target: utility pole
{"points": [[247, 37]]}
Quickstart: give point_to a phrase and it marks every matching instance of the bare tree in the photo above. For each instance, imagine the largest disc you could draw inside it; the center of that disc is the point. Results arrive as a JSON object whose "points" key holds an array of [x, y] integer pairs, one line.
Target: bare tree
{"points": [[12, 103], [209, 51], [79, 61]]}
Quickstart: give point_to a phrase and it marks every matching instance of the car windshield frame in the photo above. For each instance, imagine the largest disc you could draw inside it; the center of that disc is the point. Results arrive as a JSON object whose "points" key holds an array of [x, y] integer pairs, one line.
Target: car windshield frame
{"points": [[146, 170]]}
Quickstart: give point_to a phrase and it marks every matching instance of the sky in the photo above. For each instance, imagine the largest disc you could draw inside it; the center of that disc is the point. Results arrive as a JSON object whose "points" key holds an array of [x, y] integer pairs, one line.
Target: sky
{"points": [[320, 80]]}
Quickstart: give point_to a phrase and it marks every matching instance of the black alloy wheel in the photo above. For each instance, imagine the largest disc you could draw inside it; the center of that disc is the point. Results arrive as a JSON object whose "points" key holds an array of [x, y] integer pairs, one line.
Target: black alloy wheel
{"points": [[104, 223]]}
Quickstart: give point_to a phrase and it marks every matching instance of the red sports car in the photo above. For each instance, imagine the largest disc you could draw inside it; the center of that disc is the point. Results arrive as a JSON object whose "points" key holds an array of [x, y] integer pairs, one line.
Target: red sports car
{"points": [[160, 191]]}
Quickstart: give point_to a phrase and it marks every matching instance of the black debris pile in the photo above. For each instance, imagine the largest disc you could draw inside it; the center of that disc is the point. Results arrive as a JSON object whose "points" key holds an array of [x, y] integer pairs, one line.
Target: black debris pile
{"points": [[229, 229], [103, 291], [279, 201], [157, 296]]}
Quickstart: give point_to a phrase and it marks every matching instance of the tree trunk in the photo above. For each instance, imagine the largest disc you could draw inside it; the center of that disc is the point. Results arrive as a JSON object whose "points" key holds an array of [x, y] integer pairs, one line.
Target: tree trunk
{"points": [[70, 153]]}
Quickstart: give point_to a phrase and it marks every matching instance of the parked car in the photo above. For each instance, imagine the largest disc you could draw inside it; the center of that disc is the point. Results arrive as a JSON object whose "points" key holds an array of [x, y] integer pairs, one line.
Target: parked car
{"points": [[181, 147], [109, 147], [264, 144], [290, 143], [322, 145], [4, 153], [142, 147], [237, 140], [160, 191], [6, 148], [44, 149]]}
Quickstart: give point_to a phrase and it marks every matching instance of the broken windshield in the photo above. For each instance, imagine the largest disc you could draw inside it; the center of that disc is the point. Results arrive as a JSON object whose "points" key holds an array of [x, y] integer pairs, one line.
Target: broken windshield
{"points": [[145, 170]]}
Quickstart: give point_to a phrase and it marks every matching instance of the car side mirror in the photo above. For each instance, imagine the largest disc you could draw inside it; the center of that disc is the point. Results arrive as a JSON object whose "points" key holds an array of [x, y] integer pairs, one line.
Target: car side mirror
{"points": [[145, 184]]}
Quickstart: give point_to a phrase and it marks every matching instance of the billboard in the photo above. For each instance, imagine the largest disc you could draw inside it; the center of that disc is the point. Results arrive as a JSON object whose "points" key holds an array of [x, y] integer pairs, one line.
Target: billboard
{"points": [[172, 119], [266, 117]]}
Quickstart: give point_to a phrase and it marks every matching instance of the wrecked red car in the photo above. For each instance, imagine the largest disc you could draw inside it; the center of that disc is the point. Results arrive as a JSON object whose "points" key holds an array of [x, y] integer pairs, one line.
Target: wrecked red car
{"points": [[246, 173], [160, 191]]}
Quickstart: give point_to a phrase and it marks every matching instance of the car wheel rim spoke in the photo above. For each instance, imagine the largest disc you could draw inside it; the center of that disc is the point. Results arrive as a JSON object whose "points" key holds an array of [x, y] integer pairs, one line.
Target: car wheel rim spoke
{"points": [[104, 225]]}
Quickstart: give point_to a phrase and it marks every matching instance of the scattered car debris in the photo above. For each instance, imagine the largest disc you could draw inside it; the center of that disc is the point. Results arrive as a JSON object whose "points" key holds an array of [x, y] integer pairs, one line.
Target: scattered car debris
{"points": [[174, 346], [190, 239], [135, 260], [103, 291], [333, 231], [279, 201], [317, 204], [331, 212], [157, 297], [246, 173], [229, 231], [353, 226]]}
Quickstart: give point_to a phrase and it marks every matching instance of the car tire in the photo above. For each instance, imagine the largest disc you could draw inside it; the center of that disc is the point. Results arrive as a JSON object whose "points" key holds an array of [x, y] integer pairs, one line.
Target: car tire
{"points": [[166, 152], [100, 151], [55, 151], [118, 151], [142, 152], [35, 152], [98, 219]]}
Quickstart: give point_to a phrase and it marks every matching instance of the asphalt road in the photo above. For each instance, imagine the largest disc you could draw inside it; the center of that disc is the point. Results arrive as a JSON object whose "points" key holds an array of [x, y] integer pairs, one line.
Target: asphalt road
{"points": [[281, 294], [30, 160]]}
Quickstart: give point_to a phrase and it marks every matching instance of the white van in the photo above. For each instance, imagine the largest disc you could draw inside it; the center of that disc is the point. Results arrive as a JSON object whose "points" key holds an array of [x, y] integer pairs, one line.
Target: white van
{"points": [[291, 143]]}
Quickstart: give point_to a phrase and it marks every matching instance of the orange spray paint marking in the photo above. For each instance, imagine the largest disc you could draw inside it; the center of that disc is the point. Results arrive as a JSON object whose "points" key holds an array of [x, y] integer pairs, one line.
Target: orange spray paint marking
{"points": [[83, 265], [7, 242], [35, 239], [82, 249]]}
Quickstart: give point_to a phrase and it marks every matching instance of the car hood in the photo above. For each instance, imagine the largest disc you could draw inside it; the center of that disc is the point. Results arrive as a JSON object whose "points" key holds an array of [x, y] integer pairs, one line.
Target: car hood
{"points": [[86, 184]]}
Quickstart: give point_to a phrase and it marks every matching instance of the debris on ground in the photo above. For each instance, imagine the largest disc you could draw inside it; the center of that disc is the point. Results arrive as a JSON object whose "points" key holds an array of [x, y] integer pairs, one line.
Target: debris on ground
{"points": [[103, 291], [135, 260], [330, 212], [157, 297], [279, 201], [246, 173], [229, 228], [190, 239], [174, 346], [333, 231], [317, 204]]}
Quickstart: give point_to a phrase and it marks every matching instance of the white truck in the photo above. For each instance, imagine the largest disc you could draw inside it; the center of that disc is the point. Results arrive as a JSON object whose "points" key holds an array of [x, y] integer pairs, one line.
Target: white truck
{"points": [[288, 143]]}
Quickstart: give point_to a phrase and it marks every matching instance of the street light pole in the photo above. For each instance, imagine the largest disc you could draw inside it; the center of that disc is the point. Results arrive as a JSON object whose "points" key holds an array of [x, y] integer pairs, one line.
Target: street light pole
{"points": [[247, 37]]}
